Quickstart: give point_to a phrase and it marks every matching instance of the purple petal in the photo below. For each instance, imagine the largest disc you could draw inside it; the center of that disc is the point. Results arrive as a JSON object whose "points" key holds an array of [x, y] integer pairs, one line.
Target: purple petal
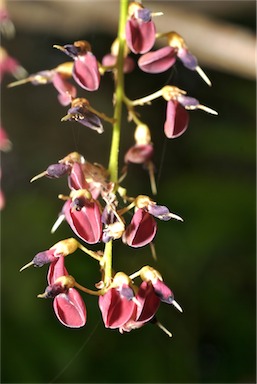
{"points": [[43, 258], [86, 118], [54, 171], [187, 101], [163, 292], [188, 60], [159, 211], [144, 15]]}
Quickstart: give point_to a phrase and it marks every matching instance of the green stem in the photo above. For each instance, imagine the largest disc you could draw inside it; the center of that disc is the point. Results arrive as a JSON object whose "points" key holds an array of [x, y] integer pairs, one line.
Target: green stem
{"points": [[114, 152], [118, 94]]}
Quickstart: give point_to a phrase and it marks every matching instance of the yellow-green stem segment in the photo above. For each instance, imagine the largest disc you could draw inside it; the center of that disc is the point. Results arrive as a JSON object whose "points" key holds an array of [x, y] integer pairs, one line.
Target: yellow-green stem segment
{"points": [[114, 152], [118, 94]]}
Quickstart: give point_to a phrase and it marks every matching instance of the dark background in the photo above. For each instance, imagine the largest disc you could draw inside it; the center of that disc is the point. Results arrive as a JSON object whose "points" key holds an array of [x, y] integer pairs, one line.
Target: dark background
{"points": [[207, 176]]}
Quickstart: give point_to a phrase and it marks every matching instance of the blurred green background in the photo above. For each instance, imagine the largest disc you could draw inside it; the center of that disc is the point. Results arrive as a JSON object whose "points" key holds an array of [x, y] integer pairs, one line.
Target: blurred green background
{"points": [[207, 176]]}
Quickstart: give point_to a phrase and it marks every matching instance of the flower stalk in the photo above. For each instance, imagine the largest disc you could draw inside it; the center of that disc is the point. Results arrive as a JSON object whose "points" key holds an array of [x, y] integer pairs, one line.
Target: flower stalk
{"points": [[114, 152]]}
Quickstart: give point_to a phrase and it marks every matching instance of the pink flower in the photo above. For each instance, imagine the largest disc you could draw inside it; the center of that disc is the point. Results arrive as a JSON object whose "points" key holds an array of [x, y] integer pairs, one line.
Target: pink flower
{"points": [[58, 77], [145, 310], [164, 58], [142, 228], [5, 143], [116, 309], [85, 69], [68, 305], [110, 60], [140, 29], [177, 117], [117, 304], [7, 27], [9, 65], [2, 197], [83, 215], [153, 277], [139, 153]]}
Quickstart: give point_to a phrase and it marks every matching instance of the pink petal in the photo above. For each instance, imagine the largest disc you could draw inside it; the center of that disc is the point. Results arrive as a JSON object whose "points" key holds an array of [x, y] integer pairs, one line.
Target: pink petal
{"points": [[86, 73], [177, 120], [63, 86], [140, 36], [141, 230], [56, 269], [70, 309], [76, 179], [139, 154], [158, 61], [116, 311], [86, 223], [149, 302]]}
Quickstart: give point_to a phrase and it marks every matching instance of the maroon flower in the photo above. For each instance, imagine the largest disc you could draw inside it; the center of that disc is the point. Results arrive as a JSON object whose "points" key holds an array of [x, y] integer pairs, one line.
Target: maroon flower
{"points": [[145, 310], [68, 305], [141, 230], [153, 277], [117, 305], [85, 69], [140, 29], [143, 227], [83, 215]]}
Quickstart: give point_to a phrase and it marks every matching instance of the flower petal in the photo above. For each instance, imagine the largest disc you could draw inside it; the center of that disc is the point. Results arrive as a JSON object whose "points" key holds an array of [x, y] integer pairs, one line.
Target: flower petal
{"points": [[56, 269], [86, 73], [116, 310], [86, 222], [140, 36], [149, 302], [70, 309], [158, 61], [139, 154], [177, 120], [141, 230]]}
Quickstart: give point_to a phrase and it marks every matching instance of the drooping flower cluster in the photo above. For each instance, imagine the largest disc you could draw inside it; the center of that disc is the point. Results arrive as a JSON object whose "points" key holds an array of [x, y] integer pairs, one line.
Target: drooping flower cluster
{"points": [[97, 208]]}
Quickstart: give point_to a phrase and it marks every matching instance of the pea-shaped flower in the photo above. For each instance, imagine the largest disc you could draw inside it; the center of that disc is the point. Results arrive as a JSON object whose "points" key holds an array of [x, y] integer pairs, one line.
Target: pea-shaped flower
{"points": [[117, 304], [68, 305], [85, 69], [83, 215], [143, 227], [140, 29]]}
